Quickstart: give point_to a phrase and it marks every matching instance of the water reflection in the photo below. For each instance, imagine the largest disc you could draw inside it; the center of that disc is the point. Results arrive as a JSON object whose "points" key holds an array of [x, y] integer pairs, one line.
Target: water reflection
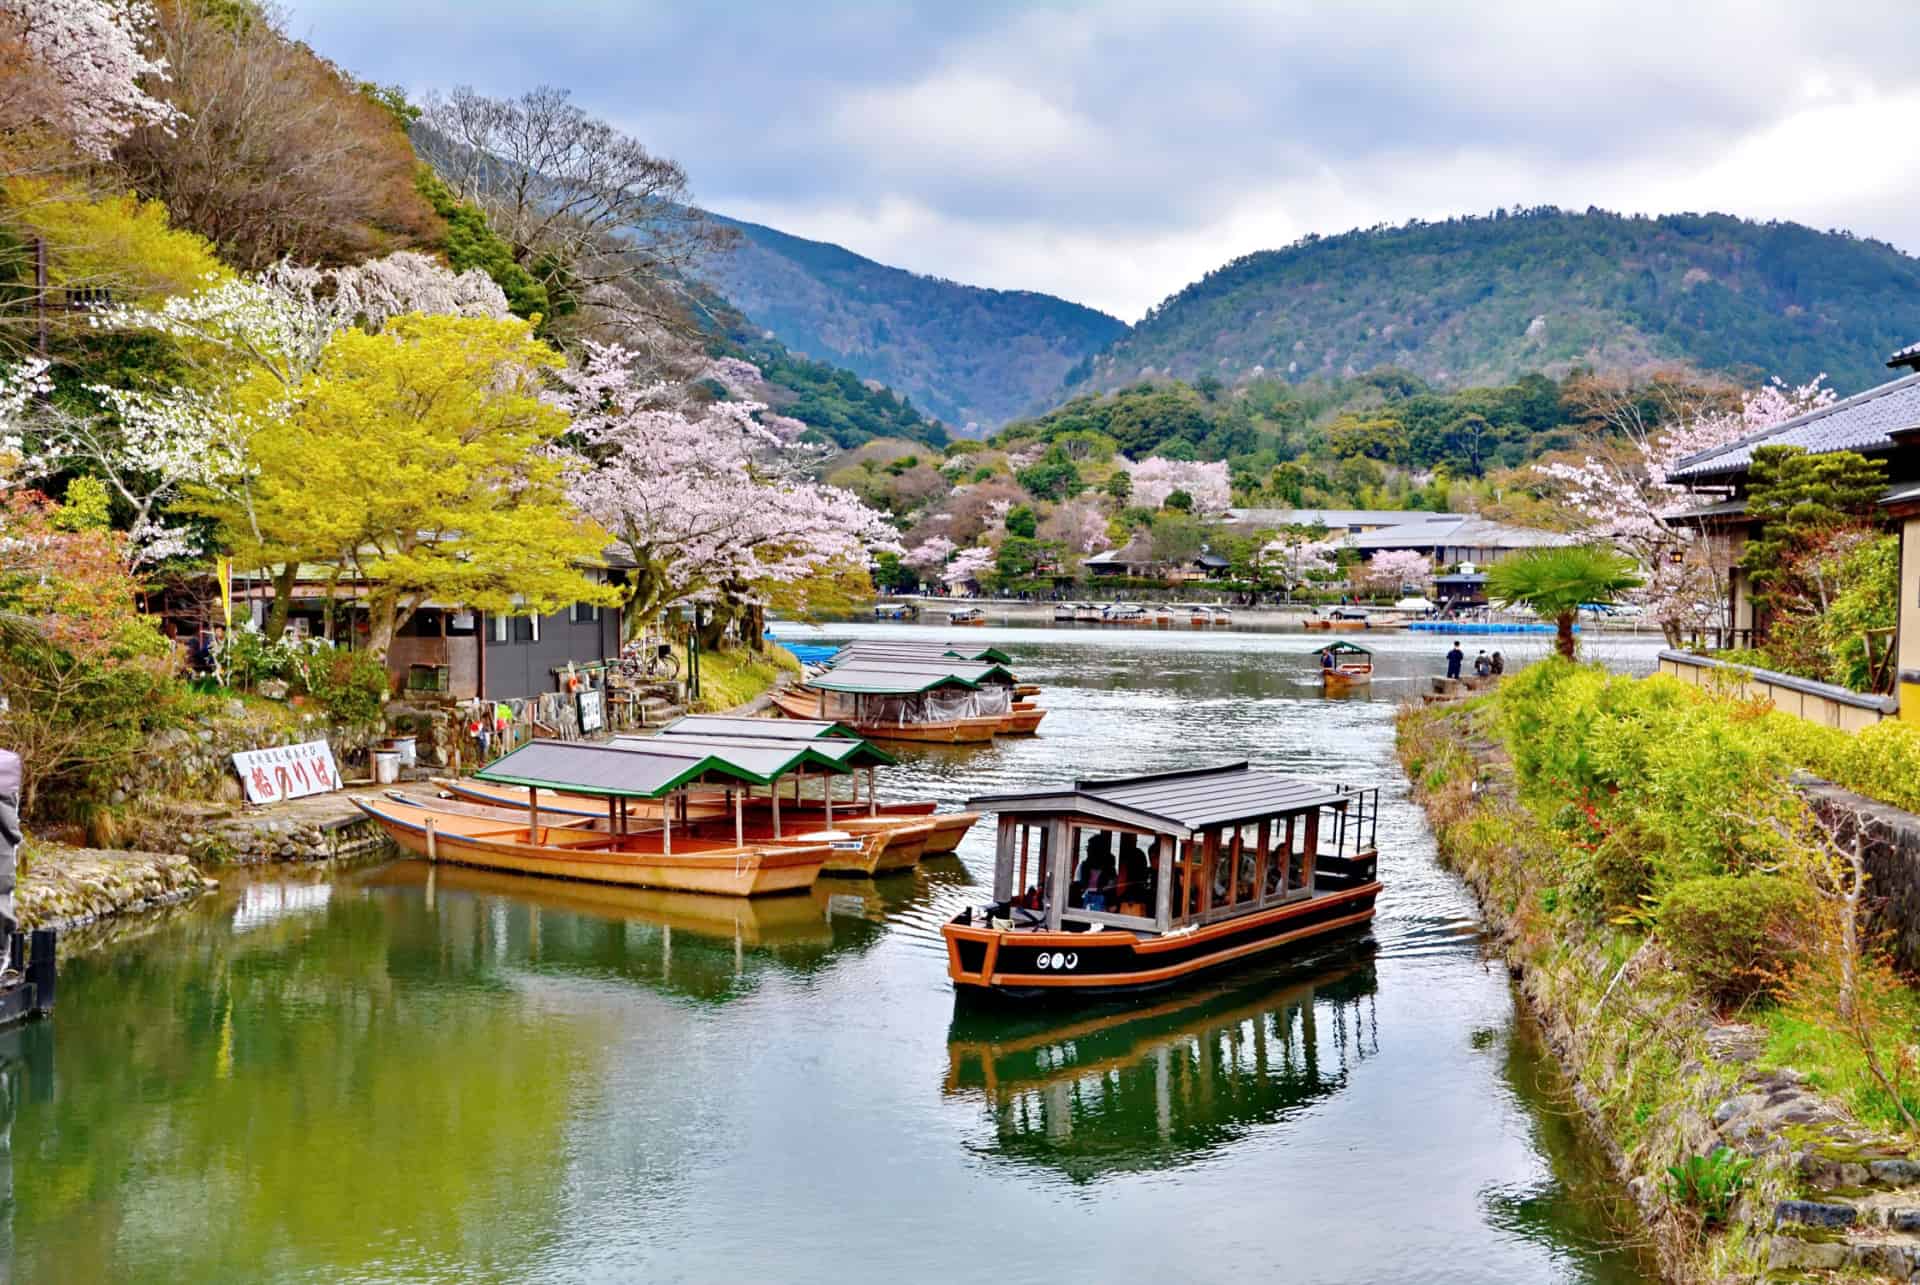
{"points": [[1163, 1085]]}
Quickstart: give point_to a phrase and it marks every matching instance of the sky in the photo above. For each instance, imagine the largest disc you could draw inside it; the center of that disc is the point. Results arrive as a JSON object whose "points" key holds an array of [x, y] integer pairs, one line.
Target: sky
{"points": [[1111, 152]]}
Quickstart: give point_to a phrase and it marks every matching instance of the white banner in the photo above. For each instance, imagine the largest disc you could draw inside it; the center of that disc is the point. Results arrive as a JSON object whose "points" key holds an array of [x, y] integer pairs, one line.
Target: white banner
{"points": [[287, 771]]}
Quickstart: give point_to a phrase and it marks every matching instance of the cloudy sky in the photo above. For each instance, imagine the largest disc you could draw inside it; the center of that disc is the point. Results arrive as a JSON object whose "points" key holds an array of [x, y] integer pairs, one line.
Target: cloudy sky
{"points": [[1111, 151]]}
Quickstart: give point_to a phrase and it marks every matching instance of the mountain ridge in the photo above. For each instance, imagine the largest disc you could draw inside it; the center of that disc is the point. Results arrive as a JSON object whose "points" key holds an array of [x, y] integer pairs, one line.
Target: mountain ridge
{"points": [[970, 355]]}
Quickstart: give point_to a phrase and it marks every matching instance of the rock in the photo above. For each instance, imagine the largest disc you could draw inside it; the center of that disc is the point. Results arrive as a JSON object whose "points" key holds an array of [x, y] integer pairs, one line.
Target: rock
{"points": [[1789, 1253], [1813, 1213], [274, 689], [1733, 1108], [1903, 1219], [1895, 1261], [1894, 1173]]}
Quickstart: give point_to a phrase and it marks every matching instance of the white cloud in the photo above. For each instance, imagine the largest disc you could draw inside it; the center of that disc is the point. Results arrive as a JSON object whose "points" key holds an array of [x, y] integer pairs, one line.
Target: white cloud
{"points": [[1113, 150]]}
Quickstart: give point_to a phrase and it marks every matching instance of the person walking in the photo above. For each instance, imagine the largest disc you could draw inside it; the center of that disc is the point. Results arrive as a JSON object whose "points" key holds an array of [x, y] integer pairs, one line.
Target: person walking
{"points": [[1454, 660]]}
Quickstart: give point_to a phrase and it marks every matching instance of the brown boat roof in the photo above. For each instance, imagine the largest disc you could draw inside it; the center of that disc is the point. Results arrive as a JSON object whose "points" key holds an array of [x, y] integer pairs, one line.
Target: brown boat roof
{"points": [[1178, 803]]}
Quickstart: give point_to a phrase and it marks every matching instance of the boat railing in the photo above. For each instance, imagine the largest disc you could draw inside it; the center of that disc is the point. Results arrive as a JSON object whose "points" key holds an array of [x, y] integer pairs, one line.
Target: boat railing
{"points": [[1355, 820]]}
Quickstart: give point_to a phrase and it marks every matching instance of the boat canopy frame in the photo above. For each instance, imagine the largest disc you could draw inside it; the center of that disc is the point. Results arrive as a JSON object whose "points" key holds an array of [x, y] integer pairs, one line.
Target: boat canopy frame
{"points": [[1342, 647]]}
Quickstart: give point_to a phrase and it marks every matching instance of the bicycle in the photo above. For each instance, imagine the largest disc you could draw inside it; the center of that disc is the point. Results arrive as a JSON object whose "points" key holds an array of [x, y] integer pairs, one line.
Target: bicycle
{"points": [[649, 661]]}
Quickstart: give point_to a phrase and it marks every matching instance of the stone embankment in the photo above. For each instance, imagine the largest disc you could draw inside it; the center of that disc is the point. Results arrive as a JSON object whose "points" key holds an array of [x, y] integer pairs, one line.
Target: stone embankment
{"points": [[65, 888], [1659, 1076]]}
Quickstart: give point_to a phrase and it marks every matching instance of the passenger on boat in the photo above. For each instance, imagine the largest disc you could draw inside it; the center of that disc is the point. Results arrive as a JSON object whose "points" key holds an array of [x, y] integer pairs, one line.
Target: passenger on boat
{"points": [[1094, 888], [1326, 659], [1135, 884]]}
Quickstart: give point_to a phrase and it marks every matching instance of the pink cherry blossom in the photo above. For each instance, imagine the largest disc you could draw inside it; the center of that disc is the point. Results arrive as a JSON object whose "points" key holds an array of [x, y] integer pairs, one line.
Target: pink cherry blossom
{"points": [[85, 64], [1154, 479]]}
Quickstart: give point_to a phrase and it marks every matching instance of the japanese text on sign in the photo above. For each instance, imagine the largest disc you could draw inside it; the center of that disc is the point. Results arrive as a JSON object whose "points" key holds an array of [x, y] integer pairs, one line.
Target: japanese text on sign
{"points": [[287, 771]]}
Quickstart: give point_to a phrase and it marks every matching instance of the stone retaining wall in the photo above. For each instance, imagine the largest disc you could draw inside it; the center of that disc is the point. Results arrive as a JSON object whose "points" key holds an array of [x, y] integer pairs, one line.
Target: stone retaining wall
{"points": [[1892, 853]]}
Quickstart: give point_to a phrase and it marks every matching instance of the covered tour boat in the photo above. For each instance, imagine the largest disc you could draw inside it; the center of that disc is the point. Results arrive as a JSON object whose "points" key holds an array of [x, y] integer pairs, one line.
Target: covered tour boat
{"points": [[933, 702], [657, 851], [866, 839], [966, 616], [1344, 666], [1115, 887]]}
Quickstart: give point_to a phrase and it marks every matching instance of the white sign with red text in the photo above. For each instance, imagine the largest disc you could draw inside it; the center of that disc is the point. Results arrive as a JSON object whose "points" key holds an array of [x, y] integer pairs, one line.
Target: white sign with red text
{"points": [[287, 772]]}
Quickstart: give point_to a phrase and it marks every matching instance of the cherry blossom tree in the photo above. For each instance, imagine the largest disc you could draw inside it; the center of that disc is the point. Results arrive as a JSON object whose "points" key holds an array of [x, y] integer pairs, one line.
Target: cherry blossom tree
{"points": [[1080, 525], [1622, 492], [968, 566], [706, 502], [74, 67], [929, 555], [1298, 556], [1154, 479], [1394, 568]]}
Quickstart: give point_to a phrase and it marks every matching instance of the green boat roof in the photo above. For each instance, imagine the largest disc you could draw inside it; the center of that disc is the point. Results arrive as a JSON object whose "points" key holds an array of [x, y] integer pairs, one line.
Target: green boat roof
{"points": [[885, 678], [1341, 648], [904, 648], [580, 767]]}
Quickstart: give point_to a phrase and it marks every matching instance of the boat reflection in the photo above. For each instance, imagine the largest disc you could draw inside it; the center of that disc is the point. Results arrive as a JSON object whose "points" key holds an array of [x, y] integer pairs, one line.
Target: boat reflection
{"points": [[695, 946], [1161, 1085]]}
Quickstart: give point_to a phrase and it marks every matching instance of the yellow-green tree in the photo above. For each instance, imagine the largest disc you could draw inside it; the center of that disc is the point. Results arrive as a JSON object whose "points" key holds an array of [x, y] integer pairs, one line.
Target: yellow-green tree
{"points": [[424, 459]]}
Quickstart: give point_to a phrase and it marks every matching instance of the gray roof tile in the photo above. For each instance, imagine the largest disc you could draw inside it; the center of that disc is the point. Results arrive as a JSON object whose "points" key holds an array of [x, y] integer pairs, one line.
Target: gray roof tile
{"points": [[1863, 422]]}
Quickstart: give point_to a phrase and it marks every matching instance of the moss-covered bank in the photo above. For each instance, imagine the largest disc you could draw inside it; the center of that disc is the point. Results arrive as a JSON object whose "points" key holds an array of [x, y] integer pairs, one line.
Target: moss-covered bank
{"points": [[1659, 1073]]}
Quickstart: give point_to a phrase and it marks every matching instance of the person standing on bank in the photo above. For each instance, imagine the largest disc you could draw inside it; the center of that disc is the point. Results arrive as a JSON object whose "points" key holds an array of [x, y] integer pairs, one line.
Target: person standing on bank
{"points": [[1454, 659]]}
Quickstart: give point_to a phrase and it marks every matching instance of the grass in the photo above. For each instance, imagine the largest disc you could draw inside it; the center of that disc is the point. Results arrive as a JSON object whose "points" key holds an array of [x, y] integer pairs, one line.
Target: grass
{"points": [[731, 678], [1833, 1063]]}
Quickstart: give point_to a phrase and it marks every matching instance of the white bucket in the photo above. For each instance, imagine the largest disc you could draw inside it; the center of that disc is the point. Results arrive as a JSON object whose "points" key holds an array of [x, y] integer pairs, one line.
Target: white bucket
{"points": [[386, 766], [408, 748]]}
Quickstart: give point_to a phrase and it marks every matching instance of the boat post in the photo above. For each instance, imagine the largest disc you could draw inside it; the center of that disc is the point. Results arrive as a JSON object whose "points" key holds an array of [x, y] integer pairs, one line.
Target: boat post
{"points": [[433, 848], [873, 793], [533, 814], [666, 823], [739, 819], [1163, 882], [773, 792], [826, 792]]}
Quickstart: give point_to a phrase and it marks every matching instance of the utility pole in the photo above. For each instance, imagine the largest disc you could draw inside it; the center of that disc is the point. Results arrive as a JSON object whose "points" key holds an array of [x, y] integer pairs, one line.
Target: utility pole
{"points": [[40, 294]]}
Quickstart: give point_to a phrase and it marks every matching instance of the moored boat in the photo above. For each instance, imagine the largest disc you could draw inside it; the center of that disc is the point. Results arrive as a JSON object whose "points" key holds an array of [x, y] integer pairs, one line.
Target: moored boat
{"points": [[1109, 887], [637, 852], [966, 616]]}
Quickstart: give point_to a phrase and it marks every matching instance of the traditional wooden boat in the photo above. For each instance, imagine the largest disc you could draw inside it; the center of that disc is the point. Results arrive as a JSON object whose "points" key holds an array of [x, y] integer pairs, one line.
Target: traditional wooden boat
{"points": [[806, 706], [896, 611], [1126, 613], [624, 851], [966, 616], [1086, 611], [1344, 666], [1062, 611], [1117, 887]]}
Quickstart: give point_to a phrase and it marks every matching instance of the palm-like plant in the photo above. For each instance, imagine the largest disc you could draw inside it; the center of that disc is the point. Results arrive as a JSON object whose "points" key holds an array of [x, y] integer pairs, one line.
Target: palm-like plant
{"points": [[1557, 581]]}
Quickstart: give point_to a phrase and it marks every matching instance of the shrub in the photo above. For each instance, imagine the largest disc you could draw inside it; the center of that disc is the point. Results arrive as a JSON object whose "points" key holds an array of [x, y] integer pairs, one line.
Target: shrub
{"points": [[1734, 936], [350, 685], [1710, 1183]]}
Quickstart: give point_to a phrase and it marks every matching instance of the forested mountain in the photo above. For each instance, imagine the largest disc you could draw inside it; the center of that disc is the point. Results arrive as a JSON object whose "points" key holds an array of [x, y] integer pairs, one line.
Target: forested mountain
{"points": [[964, 354], [1482, 300]]}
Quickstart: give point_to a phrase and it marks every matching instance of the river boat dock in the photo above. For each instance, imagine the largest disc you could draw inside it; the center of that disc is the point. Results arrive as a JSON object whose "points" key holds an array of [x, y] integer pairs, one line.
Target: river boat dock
{"points": [[1113, 887]]}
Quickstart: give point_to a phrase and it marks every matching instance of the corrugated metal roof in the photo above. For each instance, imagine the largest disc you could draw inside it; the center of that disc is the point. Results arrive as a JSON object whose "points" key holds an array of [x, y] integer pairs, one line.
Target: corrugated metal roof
{"points": [[1336, 518], [1863, 422], [764, 760], [1179, 803], [778, 729], [976, 652], [881, 675], [1458, 532], [832, 752], [586, 768]]}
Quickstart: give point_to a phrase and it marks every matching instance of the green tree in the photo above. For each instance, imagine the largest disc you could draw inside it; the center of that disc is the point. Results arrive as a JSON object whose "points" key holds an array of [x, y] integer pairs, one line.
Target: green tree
{"points": [[1557, 581], [1021, 521], [1053, 478], [1181, 501], [418, 457], [1120, 486], [1800, 500]]}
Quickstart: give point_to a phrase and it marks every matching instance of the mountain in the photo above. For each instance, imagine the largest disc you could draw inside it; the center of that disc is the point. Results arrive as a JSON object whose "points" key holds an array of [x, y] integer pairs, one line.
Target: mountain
{"points": [[1482, 300], [965, 354]]}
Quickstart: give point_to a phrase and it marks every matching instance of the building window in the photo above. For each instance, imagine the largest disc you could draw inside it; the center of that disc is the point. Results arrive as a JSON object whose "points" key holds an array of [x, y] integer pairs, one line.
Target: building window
{"points": [[497, 628], [526, 629], [585, 613], [462, 624]]}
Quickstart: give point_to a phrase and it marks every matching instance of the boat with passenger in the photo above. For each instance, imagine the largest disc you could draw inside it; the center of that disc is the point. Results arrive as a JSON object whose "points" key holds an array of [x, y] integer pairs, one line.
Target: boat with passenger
{"points": [[661, 851], [1121, 886], [966, 616], [896, 611], [1344, 666]]}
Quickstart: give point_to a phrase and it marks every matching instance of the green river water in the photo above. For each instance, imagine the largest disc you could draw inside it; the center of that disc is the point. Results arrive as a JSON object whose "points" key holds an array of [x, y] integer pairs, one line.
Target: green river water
{"points": [[403, 1074]]}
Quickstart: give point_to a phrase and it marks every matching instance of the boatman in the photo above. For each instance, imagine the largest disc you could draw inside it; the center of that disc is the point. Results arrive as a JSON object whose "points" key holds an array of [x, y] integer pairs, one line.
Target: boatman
{"points": [[1454, 659]]}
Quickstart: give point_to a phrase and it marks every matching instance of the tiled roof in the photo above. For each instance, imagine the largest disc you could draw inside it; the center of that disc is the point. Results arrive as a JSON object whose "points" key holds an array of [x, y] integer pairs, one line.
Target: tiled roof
{"points": [[1457, 531], [1861, 423], [1180, 803], [1336, 517]]}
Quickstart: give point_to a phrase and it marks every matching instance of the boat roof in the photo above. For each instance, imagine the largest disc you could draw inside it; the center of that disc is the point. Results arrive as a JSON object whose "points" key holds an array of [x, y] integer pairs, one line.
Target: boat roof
{"points": [[775, 729], [1341, 648], [932, 650], [888, 677], [582, 767], [1177, 803], [834, 753]]}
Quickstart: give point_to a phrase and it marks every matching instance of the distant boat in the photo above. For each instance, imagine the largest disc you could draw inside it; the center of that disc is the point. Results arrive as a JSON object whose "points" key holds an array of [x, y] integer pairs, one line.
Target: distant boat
{"points": [[1063, 611], [1126, 613], [966, 616], [896, 611]]}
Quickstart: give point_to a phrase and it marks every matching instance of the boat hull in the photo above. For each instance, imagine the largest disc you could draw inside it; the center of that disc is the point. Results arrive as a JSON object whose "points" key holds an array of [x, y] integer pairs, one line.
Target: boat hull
{"points": [[1022, 722], [959, 731], [988, 964], [1337, 680], [732, 872]]}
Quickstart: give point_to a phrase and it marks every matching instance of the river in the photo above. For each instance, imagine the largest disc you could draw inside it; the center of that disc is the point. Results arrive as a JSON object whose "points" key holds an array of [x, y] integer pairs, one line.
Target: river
{"points": [[398, 1074]]}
